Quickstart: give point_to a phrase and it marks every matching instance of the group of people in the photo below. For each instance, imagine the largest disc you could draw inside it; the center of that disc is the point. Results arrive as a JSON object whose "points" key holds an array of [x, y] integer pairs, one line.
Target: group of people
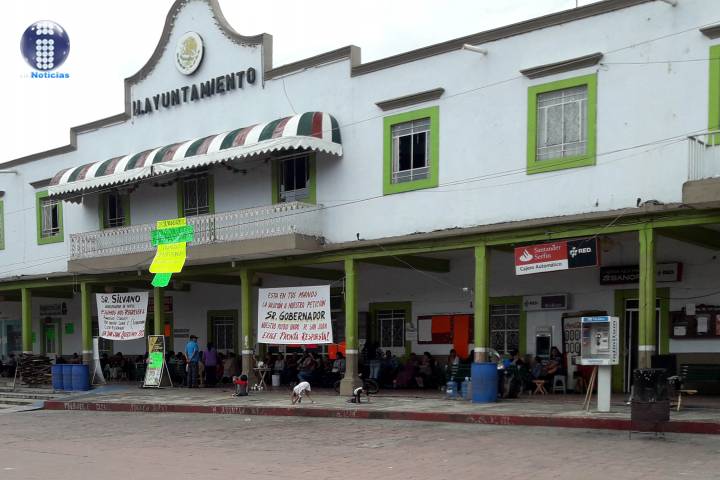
{"points": [[305, 367], [423, 371], [195, 368]]}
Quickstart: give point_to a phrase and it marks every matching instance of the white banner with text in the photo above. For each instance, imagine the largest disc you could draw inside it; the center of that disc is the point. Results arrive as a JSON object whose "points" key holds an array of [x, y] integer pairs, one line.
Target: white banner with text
{"points": [[121, 316], [294, 315]]}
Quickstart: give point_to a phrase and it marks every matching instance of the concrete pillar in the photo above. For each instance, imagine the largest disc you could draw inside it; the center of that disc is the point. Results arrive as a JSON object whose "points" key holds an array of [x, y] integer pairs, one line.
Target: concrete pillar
{"points": [[158, 311], [351, 380], [481, 305], [246, 322], [86, 323], [647, 298], [26, 299]]}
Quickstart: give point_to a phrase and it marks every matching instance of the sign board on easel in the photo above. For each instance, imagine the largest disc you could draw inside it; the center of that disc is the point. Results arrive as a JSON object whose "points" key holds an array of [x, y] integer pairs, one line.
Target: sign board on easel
{"points": [[156, 372]]}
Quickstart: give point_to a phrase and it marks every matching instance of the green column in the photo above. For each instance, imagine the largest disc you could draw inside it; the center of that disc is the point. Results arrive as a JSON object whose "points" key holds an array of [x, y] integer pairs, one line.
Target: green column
{"points": [[351, 379], [246, 321], [481, 321], [647, 298], [158, 311], [86, 322], [26, 299]]}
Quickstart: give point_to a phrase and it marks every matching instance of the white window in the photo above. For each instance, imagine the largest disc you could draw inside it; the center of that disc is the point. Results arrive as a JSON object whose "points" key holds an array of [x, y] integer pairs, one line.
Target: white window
{"points": [[391, 326], [196, 196], [562, 123], [505, 327], [223, 331], [294, 178], [113, 210], [411, 150], [50, 217]]}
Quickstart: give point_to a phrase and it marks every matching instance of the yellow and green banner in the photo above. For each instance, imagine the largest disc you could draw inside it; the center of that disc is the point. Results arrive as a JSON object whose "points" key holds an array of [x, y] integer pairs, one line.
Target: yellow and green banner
{"points": [[170, 238]]}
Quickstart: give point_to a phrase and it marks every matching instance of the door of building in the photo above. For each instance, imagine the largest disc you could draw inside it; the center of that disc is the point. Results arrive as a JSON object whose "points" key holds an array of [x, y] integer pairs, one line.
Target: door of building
{"points": [[631, 338], [51, 338], [223, 327], [10, 338]]}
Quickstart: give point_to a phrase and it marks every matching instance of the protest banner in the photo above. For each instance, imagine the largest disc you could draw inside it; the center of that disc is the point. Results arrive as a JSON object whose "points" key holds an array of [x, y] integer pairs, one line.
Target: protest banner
{"points": [[294, 315], [122, 316]]}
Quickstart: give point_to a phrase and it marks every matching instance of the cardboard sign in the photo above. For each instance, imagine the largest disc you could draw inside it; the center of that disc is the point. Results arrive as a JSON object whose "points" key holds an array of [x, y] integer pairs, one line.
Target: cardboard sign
{"points": [[294, 315], [553, 256], [122, 316]]}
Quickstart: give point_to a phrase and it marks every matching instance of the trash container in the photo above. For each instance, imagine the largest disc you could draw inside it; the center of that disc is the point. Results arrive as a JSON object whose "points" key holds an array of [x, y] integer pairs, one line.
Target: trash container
{"points": [[80, 378], [67, 376], [484, 382], [650, 406], [276, 380], [57, 377]]}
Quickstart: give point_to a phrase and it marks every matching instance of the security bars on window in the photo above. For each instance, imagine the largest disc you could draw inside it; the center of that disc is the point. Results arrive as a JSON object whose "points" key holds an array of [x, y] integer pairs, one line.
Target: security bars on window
{"points": [[411, 150], [196, 196], [50, 218], [562, 123], [391, 324], [114, 212], [505, 327], [294, 179]]}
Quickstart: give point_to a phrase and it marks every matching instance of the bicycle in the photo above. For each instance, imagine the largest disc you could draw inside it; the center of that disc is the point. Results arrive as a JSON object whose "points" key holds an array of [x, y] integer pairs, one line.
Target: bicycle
{"points": [[369, 384]]}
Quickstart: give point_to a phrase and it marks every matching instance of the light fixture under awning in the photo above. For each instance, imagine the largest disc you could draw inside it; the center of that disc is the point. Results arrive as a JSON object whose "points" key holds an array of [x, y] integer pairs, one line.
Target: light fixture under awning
{"points": [[310, 131]]}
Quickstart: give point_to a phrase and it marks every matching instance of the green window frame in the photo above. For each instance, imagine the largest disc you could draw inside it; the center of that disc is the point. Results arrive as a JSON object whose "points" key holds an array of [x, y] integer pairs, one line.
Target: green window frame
{"points": [[102, 210], [589, 157], [182, 211], [374, 332], [276, 172], [714, 92], [2, 224], [44, 239], [431, 181]]}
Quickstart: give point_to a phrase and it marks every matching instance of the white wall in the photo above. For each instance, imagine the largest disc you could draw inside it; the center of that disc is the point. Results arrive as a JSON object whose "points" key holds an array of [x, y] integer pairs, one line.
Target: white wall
{"points": [[482, 131]]}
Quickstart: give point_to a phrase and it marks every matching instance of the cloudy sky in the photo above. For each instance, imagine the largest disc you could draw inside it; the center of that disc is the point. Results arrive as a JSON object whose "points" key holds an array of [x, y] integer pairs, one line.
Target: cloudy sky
{"points": [[112, 39]]}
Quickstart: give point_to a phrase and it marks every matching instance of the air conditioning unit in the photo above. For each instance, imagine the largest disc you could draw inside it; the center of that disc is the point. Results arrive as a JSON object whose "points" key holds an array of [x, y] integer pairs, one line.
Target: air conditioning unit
{"points": [[557, 301]]}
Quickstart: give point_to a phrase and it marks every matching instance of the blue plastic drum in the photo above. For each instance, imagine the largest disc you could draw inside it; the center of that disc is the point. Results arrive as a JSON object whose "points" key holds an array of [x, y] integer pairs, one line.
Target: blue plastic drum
{"points": [[57, 377], [484, 382], [80, 377], [67, 376]]}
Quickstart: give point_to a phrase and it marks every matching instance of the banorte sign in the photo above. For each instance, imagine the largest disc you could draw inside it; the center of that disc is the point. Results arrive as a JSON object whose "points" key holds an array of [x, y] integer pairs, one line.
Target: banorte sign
{"points": [[548, 257]]}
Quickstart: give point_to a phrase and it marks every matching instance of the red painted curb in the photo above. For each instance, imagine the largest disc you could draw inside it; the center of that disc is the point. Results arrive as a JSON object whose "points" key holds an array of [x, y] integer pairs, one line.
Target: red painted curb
{"points": [[476, 418]]}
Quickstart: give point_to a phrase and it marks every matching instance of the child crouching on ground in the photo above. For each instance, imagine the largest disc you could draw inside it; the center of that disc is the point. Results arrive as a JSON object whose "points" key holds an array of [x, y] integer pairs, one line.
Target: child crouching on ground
{"points": [[300, 390], [241, 386]]}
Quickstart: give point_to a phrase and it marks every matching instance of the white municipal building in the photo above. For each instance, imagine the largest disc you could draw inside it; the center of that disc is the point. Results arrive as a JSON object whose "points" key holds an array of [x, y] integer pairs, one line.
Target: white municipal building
{"points": [[404, 183]]}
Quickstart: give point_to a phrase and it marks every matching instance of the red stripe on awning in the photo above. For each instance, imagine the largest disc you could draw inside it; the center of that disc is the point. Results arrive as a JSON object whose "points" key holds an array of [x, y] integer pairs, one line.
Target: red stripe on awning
{"points": [[317, 125], [83, 171], [204, 145], [280, 127], [113, 164], [56, 179], [170, 152], [242, 136]]}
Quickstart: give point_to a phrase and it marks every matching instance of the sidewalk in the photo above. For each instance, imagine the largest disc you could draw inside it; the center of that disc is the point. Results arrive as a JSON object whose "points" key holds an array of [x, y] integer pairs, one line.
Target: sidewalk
{"points": [[699, 415]]}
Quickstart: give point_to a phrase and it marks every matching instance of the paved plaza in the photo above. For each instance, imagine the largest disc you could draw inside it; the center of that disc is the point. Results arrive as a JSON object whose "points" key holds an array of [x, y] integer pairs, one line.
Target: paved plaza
{"points": [[88, 445]]}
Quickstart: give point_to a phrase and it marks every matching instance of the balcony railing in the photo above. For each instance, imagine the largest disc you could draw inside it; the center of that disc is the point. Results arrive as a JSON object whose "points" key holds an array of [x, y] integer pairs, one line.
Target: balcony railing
{"points": [[704, 155], [247, 224]]}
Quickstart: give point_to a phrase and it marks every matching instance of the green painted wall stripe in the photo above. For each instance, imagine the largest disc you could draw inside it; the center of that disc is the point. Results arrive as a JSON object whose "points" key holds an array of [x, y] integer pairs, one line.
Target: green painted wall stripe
{"points": [[481, 306], [535, 166], [714, 91], [351, 313]]}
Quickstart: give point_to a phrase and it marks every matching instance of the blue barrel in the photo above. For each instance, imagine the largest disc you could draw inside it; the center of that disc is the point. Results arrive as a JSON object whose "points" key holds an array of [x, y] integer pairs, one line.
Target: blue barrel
{"points": [[57, 377], [484, 382], [67, 376], [80, 377]]}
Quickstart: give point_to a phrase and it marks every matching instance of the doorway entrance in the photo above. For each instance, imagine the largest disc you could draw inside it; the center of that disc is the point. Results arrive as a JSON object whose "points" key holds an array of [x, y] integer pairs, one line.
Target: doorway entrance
{"points": [[223, 330], [52, 342], [10, 338], [631, 339]]}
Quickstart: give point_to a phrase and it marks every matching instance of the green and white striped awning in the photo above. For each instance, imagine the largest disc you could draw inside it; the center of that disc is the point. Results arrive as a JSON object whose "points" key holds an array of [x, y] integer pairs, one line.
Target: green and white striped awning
{"points": [[310, 131]]}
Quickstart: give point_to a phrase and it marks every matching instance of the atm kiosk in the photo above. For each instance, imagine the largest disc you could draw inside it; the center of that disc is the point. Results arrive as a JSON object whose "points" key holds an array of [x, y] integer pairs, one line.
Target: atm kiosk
{"points": [[600, 347]]}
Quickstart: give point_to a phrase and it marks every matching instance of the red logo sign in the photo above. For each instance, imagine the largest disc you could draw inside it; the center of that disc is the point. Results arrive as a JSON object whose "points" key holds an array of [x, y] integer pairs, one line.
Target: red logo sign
{"points": [[548, 257]]}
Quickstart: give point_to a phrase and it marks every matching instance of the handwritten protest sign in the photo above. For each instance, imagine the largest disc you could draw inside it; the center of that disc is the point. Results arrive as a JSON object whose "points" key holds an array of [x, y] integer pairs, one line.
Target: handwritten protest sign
{"points": [[294, 315], [121, 316]]}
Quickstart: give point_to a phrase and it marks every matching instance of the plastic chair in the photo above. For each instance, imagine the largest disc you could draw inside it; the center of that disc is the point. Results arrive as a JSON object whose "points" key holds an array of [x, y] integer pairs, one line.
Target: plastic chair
{"points": [[559, 384]]}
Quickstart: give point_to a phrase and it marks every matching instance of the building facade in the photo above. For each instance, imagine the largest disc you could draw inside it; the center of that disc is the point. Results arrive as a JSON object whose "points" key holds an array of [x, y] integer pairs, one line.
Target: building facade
{"points": [[405, 183]]}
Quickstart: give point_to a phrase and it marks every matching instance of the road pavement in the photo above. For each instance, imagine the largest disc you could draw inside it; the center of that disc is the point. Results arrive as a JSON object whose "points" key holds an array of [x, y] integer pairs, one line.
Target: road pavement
{"points": [[113, 446]]}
